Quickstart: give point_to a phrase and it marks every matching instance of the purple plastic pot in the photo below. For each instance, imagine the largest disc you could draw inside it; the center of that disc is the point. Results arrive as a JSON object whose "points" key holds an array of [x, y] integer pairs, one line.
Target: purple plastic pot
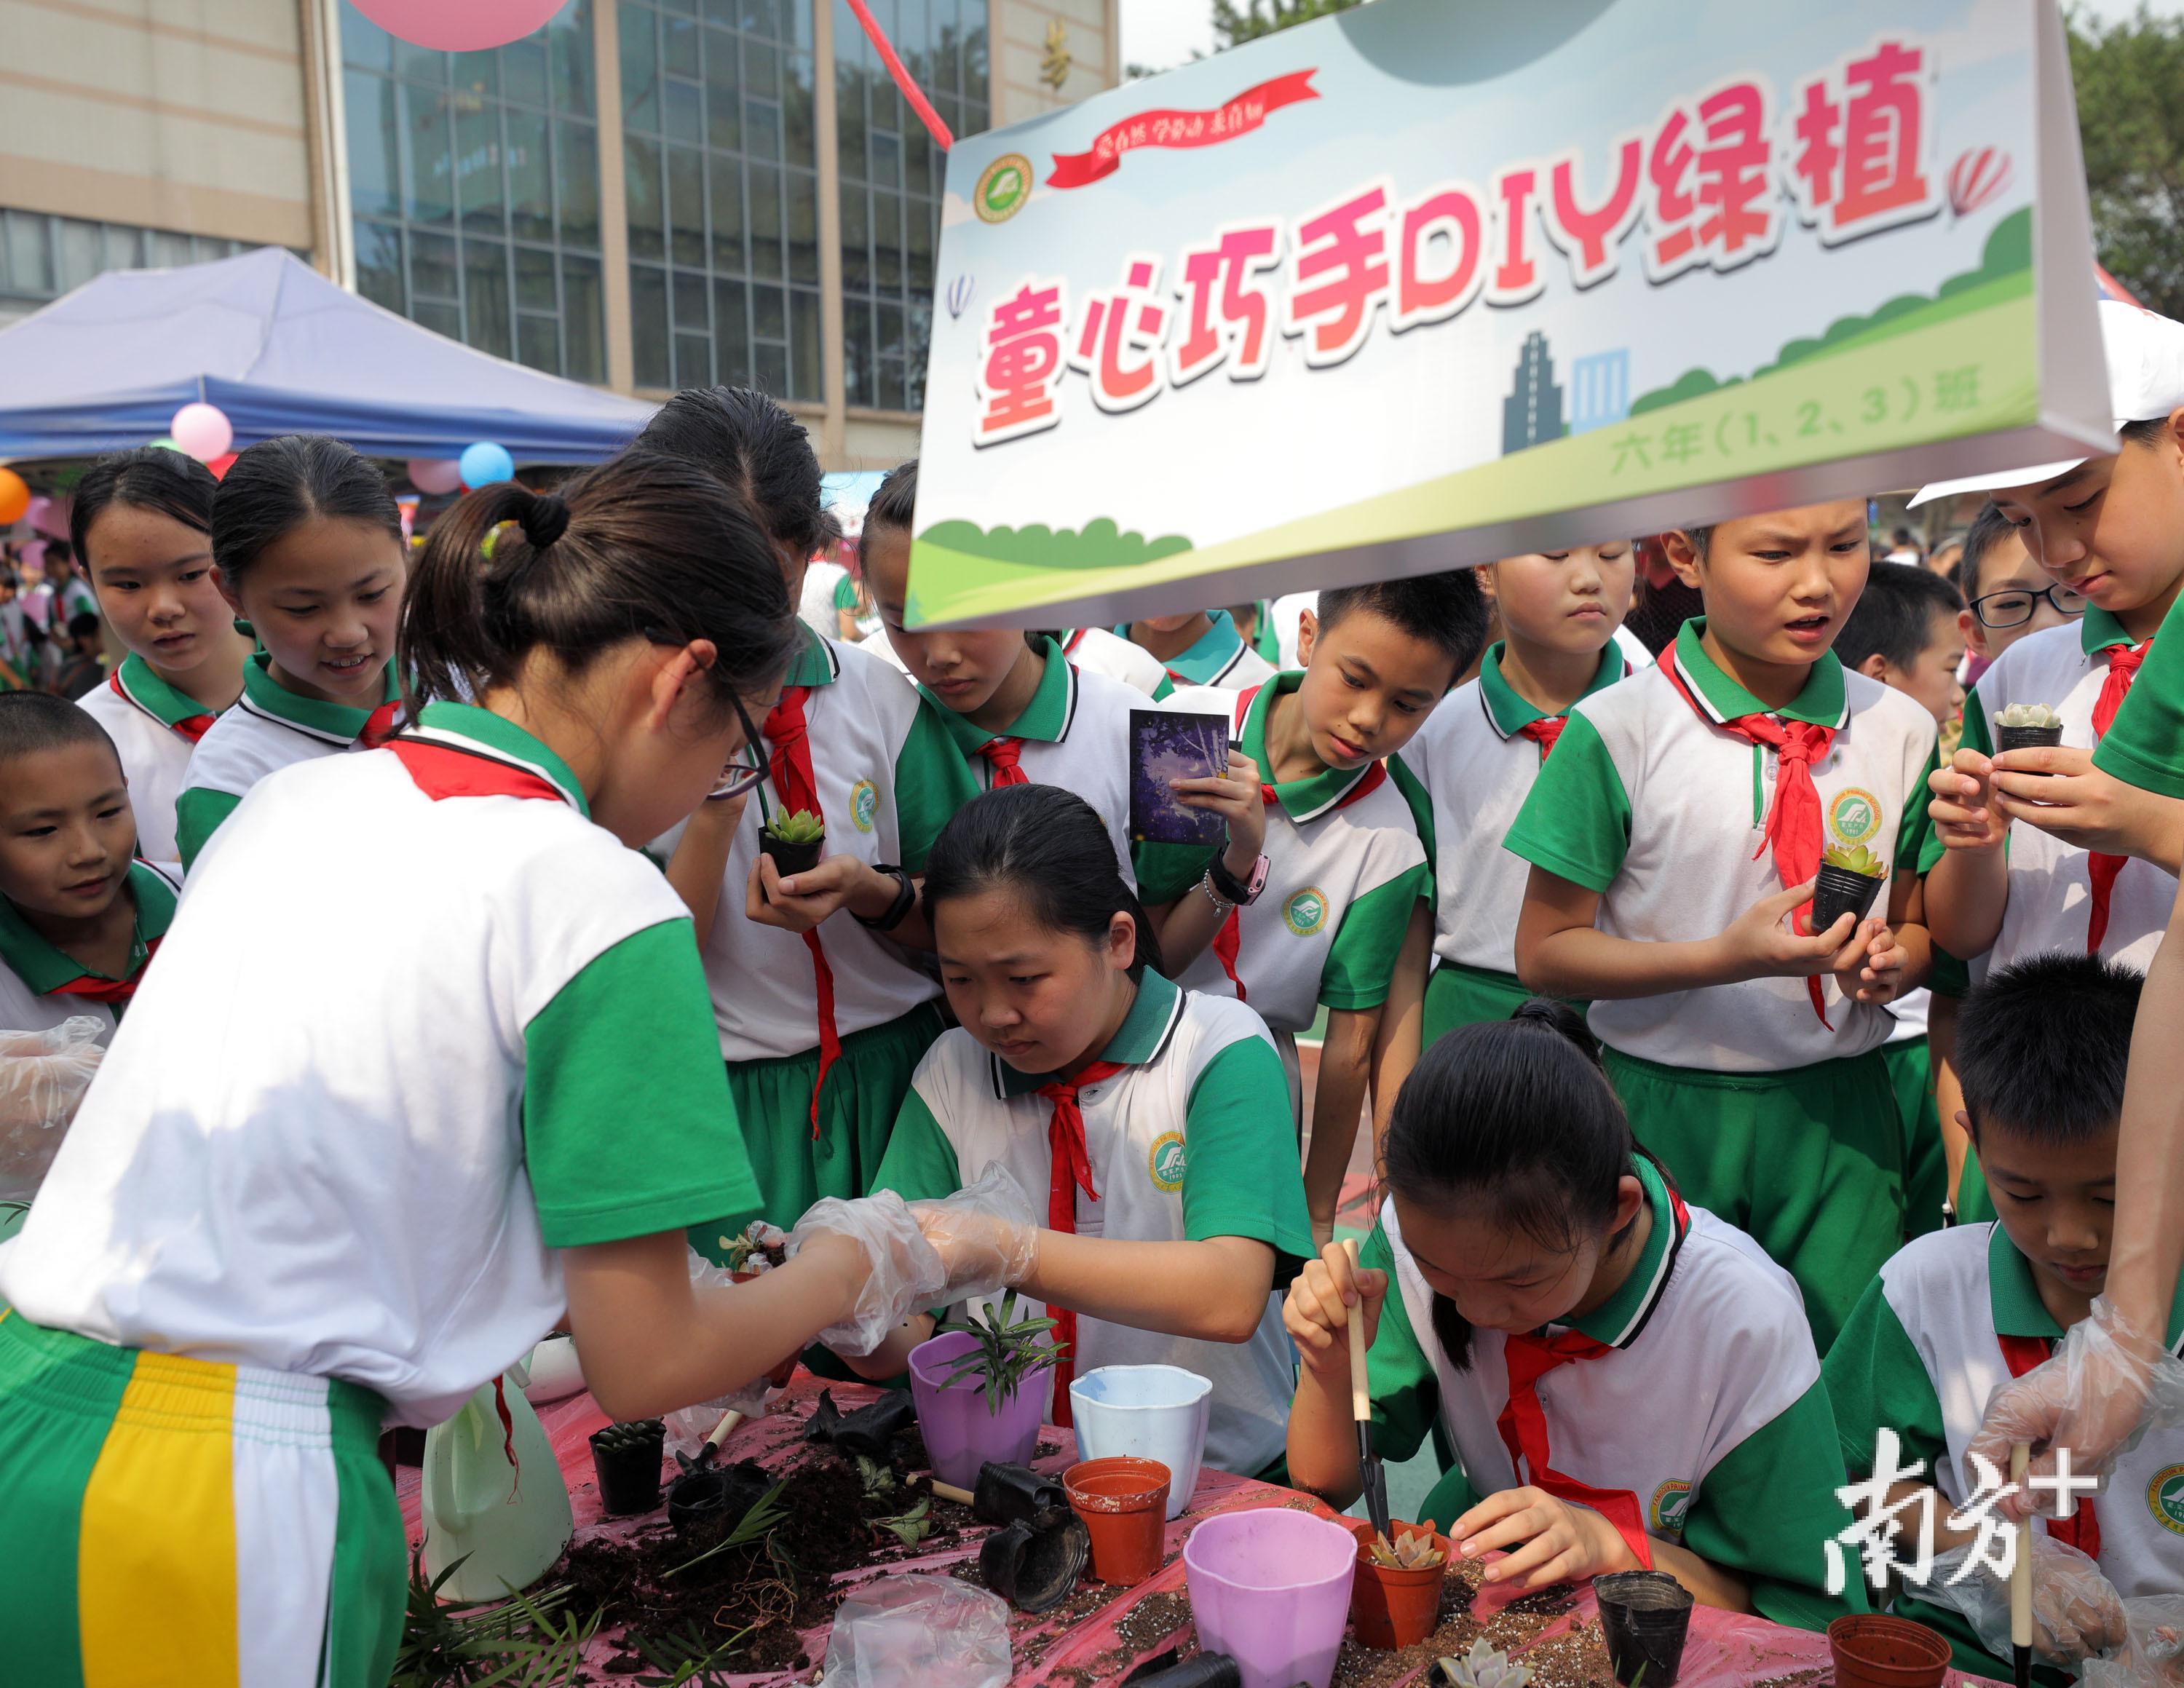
{"points": [[1271, 1589], [960, 1434]]}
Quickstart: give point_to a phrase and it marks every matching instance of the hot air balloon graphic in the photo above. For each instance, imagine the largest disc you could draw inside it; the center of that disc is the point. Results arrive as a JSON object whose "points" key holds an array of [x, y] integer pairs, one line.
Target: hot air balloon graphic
{"points": [[959, 294], [1976, 178]]}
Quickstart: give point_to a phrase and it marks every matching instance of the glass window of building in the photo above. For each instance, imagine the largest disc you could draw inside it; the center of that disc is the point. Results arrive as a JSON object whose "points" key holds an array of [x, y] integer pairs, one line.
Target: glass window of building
{"points": [[722, 178], [474, 181], [42, 257], [892, 177]]}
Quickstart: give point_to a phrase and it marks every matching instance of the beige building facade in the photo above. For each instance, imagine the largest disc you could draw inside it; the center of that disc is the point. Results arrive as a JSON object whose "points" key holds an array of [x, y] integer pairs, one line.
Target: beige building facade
{"points": [[646, 194]]}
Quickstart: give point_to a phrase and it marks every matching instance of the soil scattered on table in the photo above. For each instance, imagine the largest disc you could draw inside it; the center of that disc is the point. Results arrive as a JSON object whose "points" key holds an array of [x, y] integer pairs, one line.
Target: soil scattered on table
{"points": [[1576, 1660]]}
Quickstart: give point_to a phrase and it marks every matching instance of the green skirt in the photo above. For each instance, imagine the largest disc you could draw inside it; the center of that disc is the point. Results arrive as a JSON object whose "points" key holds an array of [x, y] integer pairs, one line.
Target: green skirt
{"points": [[1809, 1162], [1925, 1163], [1457, 995], [796, 1166]]}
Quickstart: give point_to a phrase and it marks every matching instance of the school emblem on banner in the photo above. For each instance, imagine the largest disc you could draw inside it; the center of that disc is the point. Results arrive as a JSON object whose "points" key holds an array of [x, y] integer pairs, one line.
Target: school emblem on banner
{"points": [[1854, 816], [864, 804], [1305, 912], [1003, 187], [2164, 1498], [1672, 1504], [1165, 1161]]}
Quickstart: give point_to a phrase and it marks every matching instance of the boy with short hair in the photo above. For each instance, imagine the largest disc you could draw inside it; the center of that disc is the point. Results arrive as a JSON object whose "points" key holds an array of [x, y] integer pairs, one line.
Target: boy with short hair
{"points": [[2043, 1049], [2006, 596], [85, 668], [1674, 837], [78, 919], [1307, 906]]}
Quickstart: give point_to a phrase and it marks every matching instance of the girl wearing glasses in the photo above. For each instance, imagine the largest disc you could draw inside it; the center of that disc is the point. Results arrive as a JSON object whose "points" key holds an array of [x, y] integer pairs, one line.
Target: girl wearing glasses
{"points": [[369, 1129], [822, 1017]]}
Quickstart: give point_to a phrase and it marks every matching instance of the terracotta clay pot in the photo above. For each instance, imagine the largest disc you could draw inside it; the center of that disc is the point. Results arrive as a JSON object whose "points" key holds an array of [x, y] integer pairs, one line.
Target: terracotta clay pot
{"points": [[1392, 1608], [1873, 1652], [1124, 1501], [780, 1375]]}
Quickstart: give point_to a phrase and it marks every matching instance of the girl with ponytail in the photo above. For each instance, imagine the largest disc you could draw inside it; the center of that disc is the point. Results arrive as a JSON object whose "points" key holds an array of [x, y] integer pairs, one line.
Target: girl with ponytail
{"points": [[1629, 1382], [308, 545], [427, 1066], [1151, 1125]]}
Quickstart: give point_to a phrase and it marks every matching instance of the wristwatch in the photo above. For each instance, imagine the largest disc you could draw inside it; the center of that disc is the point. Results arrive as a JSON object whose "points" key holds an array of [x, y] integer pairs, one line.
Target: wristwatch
{"points": [[1241, 892], [905, 900]]}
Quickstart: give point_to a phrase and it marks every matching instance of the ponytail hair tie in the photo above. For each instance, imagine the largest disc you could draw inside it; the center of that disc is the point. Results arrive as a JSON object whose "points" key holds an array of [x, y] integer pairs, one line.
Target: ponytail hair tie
{"points": [[543, 521]]}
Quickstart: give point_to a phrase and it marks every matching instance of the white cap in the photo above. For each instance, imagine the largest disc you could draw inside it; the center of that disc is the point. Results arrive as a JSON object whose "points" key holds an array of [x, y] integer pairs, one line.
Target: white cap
{"points": [[2146, 380]]}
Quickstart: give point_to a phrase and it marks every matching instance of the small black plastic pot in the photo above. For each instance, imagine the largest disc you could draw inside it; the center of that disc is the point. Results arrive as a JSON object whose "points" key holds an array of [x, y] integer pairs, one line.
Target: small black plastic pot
{"points": [[869, 1430], [1015, 1494], [1203, 1670], [1841, 892], [707, 1502], [626, 1459], [1645, 1616], [1034, 1569], [792, 858], [2027, 739]]}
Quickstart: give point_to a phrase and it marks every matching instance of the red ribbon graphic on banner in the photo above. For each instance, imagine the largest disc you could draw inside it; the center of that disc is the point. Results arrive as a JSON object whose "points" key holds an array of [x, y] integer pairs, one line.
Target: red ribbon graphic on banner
{"points": [[1164, 128]]}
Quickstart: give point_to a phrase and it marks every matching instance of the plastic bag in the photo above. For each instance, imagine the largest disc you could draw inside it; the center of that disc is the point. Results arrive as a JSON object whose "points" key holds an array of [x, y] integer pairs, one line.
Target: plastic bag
{"points": [[2077, 1612], [987, 1234], [2153, 1657], [44, 1076], [932, 1631], [904, 1273], [687, 1430], [2104, 1389]]}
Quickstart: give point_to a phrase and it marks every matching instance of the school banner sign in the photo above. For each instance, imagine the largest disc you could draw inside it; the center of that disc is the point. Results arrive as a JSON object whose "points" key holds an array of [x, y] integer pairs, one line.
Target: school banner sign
{"points": [[1428, 283]]}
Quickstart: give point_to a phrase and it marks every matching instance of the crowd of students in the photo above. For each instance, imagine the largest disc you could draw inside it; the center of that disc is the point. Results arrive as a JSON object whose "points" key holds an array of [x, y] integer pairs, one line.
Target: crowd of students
{"points": [[484, 1007]]}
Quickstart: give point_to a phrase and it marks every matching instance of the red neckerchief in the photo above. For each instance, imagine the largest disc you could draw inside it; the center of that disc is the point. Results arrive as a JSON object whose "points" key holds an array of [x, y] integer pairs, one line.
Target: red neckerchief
{"points": [[1794, 826], [2082, 1529], [192, 728], [1003, 755], [1072, 1171], [788, 766], [1545, 733], [1522, 1423], [380, 724], [2101, 870], [441, 770], [93, 989], [1229, 940]]}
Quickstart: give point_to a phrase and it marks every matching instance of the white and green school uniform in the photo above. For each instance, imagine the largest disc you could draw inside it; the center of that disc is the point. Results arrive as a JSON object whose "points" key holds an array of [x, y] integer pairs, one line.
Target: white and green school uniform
{"points": [[155, 728], [1344, 865], [888, 780], [1698, 1419], [1473, 762], [41, 986], [1099, 651], [1189, 1141], [1218, 658], [269, 728], [1951, 1317], [1075, 734], [866, 619], [321, 1181], [1782, 1122]]}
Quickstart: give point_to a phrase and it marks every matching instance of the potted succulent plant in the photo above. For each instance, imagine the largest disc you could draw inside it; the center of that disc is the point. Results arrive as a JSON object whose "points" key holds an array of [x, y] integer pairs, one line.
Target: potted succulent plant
{"points": [[1396, 1599], [1850, 877], [794, 839], [626, 1459], [2026, 726], [978, 1390]]}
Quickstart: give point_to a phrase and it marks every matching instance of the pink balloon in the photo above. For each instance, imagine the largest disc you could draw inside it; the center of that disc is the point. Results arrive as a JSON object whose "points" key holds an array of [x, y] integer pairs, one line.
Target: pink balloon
{"points": [[202, 431], [462, 25], [435, 474]]}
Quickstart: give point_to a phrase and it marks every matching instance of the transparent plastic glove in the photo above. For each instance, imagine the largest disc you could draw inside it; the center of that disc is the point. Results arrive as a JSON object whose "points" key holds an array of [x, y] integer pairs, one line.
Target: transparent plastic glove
{"points": [[2077, 1612], [2154, 1657], [933, 1631], [689, 1429], [44, 1076], [987, 1234], [905, 1273], [2104, 1389]]}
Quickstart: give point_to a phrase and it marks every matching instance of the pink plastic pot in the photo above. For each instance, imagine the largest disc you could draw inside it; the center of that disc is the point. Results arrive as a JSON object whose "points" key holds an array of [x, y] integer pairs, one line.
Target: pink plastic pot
{"points": [[1271, 1589], [960, 1434]]}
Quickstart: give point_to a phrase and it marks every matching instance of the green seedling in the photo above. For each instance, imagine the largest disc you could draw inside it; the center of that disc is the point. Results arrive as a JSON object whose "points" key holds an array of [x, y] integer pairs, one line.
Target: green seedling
{"points": [[1009, 1349]]}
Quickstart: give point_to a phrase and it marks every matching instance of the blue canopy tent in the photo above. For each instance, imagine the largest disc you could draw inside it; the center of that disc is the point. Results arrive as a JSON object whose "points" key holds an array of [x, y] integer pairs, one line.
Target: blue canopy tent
{"points": [[281, 349]]}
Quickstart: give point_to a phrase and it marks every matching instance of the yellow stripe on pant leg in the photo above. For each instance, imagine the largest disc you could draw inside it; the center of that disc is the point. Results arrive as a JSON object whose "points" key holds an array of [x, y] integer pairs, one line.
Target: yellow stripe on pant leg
{"points": [[156, 1549]]}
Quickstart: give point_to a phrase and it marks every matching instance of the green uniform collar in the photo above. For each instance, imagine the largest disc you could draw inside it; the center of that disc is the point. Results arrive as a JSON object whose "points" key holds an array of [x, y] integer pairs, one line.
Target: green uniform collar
{"points": [[1509, 713], [1046, 718], [2099, 631], [2015, 1295], [480, 732], [1822, 703], [1618, 1321], [1143, 1035], [135, 680], [262, 695], [1210, 656], [1313, 796], [45, 969], [815, 663]]}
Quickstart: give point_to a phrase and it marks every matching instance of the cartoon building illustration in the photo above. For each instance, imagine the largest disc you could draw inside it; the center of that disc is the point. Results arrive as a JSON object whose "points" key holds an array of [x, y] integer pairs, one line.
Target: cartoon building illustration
{"points": [[1599, 390], [1533, 411]]}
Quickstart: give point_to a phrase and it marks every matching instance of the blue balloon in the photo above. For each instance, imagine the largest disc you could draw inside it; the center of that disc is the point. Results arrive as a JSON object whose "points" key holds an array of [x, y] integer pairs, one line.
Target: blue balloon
{"points": [[485, 463]]}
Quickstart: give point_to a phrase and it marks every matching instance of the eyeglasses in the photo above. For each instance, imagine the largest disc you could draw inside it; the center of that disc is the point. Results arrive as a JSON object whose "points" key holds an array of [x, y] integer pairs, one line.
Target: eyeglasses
{"points": [[2014, 609], [744, 772]]}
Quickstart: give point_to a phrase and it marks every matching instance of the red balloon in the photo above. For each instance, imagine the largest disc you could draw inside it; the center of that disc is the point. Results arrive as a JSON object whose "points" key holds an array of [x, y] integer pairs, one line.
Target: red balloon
{"points": [[466, 26], [220, 465]]}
